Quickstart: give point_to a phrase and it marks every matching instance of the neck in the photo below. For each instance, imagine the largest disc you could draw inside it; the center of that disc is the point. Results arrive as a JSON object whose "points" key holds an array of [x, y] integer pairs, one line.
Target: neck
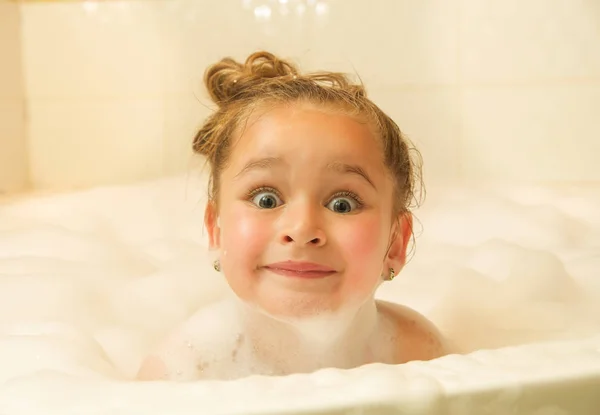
{"points": [[281, 346]]}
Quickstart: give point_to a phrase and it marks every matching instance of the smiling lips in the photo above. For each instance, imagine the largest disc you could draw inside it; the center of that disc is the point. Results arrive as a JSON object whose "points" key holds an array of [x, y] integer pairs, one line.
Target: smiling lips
{"points": [[300, 269]]}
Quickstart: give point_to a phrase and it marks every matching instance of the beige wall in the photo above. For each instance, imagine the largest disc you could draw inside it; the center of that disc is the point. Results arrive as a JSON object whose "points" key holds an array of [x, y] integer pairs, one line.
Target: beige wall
{"points": [[13, 150], [489, 90]]}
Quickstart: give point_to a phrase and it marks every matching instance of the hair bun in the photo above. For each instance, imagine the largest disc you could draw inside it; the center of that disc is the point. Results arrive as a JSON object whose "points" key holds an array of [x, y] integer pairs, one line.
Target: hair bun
{"points": [[227, 78], [266, 65]]}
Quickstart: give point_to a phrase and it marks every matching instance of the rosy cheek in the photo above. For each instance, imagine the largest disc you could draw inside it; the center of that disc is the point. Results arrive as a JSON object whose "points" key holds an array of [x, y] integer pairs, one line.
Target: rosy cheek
{"points": [[362, 238], [360, 241], [245, 228]]}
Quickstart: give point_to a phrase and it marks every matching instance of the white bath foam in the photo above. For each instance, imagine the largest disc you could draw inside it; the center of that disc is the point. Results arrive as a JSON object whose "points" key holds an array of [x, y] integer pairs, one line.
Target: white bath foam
{"points": [[50, 346], [533, 217], [121, 266], [551, 378], [141, 213]]}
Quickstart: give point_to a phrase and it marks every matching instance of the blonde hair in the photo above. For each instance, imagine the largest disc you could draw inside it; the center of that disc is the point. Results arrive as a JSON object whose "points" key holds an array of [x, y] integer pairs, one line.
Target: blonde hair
{"points": [[239, 88]]}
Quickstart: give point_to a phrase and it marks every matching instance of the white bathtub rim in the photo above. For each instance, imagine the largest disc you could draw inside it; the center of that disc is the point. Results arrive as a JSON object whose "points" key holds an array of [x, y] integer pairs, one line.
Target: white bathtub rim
{"points": [[422, 386]]}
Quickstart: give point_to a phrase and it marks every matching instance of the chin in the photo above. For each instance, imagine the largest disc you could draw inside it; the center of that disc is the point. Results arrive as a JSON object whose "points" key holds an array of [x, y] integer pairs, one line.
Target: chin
{"points": [[307, 307], [292, 300], [297, 307]]}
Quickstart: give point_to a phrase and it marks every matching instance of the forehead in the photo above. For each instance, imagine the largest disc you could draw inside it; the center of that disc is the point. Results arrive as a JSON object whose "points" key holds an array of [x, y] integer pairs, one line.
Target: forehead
{"points": [[306, 134]]}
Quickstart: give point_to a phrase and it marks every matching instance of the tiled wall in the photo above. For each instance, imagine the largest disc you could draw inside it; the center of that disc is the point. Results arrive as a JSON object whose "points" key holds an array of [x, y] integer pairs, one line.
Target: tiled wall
{"points": [[487, 89], [13, 150]]}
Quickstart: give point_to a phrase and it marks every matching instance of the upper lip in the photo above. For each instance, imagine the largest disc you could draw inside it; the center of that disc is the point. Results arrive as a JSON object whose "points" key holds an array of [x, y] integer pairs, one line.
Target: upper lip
{"points": [[300, 266]]}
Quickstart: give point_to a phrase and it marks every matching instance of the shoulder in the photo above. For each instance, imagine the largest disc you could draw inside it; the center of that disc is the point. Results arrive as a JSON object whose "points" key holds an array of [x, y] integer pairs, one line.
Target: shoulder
{"points": [[180, 354], [153, 367], [419, 339]]}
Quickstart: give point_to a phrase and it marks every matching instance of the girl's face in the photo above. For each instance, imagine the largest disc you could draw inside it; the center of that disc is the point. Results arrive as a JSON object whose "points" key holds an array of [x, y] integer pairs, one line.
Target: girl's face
{"points": [[305, 214]]}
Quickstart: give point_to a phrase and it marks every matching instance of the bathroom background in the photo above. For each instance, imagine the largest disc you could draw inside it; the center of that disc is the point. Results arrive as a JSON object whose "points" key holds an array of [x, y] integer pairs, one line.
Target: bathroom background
{"points": [[104, 92]]}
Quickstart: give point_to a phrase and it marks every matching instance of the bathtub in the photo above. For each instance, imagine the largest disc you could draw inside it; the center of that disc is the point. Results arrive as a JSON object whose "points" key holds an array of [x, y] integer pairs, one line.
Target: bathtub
{"points": [[90, 280]]}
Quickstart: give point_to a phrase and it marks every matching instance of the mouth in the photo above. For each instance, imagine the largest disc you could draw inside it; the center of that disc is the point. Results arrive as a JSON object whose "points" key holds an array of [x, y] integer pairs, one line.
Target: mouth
{"points": [[296, 269]]}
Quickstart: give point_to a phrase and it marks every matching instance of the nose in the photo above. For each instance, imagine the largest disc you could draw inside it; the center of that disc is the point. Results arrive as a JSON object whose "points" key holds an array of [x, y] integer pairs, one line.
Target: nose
{"points": [[301, 226]]}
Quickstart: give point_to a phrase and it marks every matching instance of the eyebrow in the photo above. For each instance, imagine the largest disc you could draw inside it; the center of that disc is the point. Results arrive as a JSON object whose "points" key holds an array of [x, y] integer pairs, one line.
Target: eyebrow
{"points": [[350, 169], [336, 166], [257, 164]]}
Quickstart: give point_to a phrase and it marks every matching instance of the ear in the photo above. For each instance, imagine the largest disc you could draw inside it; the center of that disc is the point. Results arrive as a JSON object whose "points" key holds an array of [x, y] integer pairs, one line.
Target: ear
{"points": [[402, 230], [211, 221]]}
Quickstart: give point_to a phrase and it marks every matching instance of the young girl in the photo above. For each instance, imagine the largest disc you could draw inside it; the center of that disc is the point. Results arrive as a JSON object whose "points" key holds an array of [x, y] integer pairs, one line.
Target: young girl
{"points": [[308, 210]]}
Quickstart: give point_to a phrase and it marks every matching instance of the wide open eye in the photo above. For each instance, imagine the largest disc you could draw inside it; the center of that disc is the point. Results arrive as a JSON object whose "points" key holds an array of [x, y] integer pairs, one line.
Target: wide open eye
{"points": [[266, 200], [343, 204]]}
